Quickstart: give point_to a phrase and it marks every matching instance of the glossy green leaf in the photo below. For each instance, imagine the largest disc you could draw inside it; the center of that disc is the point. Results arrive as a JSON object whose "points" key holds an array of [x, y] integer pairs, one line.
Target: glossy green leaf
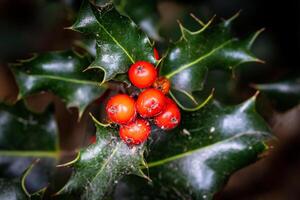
{"points": [[99, 167], [15, 189], [196, 52], [286, 92], [119, 41], [27, 134], [62, 74], [290, 87], [143, 12], [195, 160], [88, 44]]}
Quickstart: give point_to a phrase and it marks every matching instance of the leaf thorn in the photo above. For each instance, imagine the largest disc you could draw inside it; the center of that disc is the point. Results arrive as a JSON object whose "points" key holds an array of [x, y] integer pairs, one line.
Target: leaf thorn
{"points": [[228, 22], [197, 19], [25, 174], [97, 122], [254, 37], [182, 30], [70, 162]]}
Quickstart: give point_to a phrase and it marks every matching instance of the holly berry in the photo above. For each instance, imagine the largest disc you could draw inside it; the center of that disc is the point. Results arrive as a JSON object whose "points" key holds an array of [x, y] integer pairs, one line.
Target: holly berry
{"points": [[150, 103], [170, 117], [162, 84], [142, 74], [135, 132], [121, 109]]}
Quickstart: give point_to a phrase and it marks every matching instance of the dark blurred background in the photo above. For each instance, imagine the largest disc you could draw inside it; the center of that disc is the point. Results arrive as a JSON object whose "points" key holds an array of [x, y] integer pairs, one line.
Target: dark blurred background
{"points": [[28, 26]]}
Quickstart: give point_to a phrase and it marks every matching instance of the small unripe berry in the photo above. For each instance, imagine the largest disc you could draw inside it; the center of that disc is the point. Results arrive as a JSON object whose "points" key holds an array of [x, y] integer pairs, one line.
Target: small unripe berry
{"points": [[156, 54], [170, 117], [162, 84], [142, 74], [136, 132], [150, 103], [121, 109]]}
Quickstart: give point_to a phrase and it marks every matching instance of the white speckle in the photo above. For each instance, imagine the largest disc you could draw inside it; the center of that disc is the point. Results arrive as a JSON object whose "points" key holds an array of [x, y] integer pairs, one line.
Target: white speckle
{"points": [[186, 132], [132, 24], [212, 129], [250, 148], [145, 40]]}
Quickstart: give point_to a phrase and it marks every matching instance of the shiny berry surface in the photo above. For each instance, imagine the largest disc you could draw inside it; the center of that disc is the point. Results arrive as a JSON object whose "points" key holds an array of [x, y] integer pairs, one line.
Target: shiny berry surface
{"points": [[135, 132], [121, 109], [170, 117], [162, 84], [150, 102], [142, 74]]}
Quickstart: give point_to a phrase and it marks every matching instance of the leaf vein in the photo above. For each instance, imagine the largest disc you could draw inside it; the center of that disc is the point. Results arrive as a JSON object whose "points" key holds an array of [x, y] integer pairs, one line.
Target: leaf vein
{"points": [[65, 79], [106, 162], [116, 41], [182, 155], [183, 67]]}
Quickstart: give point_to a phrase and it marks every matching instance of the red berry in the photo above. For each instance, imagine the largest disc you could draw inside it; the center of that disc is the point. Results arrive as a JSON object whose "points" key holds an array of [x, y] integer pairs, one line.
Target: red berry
{"points": [[150, 102], [156, 54], [121, 109], [162, 84], [170, 117], [135, 132], [142, 74]]}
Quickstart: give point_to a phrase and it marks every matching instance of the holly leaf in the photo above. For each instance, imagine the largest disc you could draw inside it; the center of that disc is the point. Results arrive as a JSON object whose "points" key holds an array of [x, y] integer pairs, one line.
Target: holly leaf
{"points": [[62, 74], [119, 42], [200, 155], [196, 52], [26, 136], [99, 167], [286, 92], [143, 12], [15, 189], [88, 44]]}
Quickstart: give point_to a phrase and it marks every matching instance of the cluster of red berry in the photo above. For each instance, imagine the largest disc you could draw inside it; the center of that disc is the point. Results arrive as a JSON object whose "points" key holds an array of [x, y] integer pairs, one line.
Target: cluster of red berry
{"points": [[151, 103]]}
